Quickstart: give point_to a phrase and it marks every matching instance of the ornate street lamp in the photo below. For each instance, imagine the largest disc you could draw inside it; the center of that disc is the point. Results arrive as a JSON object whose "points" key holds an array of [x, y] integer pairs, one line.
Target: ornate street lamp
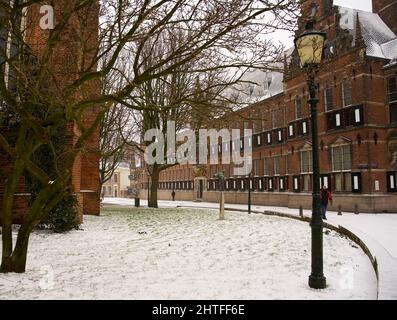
{"points": [[221, 176], [309, 46]]}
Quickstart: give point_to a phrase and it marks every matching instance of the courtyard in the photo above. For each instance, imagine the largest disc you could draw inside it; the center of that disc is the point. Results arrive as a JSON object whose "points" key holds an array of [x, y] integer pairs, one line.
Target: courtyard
{"points": [[177, 253]]}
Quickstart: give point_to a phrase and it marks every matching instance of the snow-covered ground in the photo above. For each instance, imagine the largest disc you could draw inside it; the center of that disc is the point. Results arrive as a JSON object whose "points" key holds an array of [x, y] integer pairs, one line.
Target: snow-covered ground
{"points": [[378, 231], [187, 254]]}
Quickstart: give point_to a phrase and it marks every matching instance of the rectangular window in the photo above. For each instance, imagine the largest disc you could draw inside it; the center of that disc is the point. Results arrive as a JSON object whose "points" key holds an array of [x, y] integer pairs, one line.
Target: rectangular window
{"points": [[306, 182], [277, 165], [355, 179], [115, 178], [393, 112], [269, 138], [306, 161], [298, 107], [391, 182], [258, 140], [266, 167], [338, 121], [328, 99], [392, 89], [357, 116], [274, 119], [341, 158], [286, 164], [270, 184], [282, 185], [279, 135], [296, 184], [346, 93], [291, 130], [256, 167], [304, 127]]}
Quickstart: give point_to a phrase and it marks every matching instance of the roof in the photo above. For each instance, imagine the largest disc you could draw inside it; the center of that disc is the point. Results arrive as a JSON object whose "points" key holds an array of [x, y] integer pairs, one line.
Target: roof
{"points": [[380, 40], [258, 85]]}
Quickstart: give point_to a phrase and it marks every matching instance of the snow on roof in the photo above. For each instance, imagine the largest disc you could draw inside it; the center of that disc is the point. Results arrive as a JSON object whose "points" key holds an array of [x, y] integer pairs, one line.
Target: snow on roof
{"points": [[258, 85], [379, 38]]}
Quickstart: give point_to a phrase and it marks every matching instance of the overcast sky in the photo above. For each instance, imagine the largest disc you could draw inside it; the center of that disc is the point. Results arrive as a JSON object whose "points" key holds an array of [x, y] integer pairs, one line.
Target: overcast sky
{"points": [[366, 5]]}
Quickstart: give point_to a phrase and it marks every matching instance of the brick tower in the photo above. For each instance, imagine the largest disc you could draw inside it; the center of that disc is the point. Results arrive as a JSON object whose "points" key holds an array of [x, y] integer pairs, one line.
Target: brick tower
{"points": [[73, 54], [386, 9], [77, 46]]}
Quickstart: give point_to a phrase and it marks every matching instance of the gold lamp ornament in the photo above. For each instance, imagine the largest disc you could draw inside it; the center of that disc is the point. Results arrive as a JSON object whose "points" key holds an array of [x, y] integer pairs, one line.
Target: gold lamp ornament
{"points": [[310, 46]]}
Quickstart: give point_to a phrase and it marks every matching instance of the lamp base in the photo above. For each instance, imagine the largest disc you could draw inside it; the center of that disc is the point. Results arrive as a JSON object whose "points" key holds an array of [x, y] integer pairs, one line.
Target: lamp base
{"points": [[316, 282]]}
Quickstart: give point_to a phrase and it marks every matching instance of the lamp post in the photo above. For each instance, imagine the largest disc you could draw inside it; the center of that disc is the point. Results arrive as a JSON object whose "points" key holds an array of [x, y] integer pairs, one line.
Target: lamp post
{"points": [[221, 181], [249, 192], [148, 188], [309, 46]]}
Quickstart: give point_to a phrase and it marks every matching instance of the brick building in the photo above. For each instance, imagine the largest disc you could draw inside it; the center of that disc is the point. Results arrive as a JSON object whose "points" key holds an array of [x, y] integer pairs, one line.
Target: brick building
{"points": [[80, 31], [357, 91]]}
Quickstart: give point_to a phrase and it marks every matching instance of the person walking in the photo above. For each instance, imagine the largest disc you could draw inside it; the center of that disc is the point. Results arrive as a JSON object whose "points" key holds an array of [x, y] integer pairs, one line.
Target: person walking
{"points": [[326, 197], [173, 195]]}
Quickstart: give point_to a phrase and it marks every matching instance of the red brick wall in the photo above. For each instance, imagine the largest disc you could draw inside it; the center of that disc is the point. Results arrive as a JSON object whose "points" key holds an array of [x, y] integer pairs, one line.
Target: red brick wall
{"points": [[64, 66]]}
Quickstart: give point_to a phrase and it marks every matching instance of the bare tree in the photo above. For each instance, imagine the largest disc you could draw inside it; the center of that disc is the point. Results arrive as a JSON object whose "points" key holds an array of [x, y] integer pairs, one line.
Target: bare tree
{"points": [[51, 93]]}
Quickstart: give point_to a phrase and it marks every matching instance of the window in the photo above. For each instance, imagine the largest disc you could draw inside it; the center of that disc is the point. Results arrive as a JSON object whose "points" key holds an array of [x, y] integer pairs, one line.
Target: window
{"points": [[298, 107], [341, 165], [392, 88], [213, 171], [304, 127], [256, 167], [296, 184], [306, 161], [266, 167], [341, 158], [355, 182], [274, 119], [328, 98], [269, 138], [282, 184], [306, 182], [115, 178], [343, 182], [280, 135], [277, 165], [286, 164], [393, 112], [291, 131], [346, 93], [263, 123], [391, 182]]}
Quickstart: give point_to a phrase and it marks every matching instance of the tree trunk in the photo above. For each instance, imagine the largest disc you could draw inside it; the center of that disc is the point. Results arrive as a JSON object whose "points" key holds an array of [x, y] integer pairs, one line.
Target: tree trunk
{"points": [[17, 262], [8, 201], [155, 175]]}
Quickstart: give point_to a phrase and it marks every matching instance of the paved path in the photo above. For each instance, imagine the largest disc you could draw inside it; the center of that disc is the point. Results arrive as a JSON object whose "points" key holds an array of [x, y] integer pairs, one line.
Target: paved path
{"points": [[378, 231]]}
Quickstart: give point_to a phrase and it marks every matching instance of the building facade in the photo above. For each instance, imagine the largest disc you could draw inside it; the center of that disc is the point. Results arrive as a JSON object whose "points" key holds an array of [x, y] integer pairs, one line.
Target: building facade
{"points": [[69, 53], [357, 123], [119, 184]]}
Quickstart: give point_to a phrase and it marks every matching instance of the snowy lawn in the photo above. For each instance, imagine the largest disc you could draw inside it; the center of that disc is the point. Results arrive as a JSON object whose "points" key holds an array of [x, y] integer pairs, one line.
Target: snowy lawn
{"points": [[132, 253]]}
